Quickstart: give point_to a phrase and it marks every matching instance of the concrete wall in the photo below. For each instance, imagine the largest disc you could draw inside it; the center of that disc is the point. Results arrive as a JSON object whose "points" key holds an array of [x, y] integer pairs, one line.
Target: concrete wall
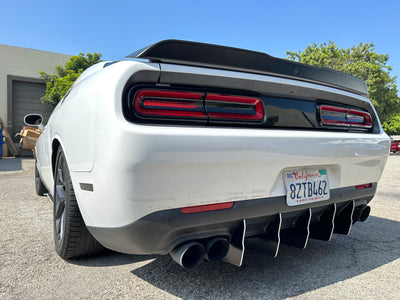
{"points": [[24, 63]]}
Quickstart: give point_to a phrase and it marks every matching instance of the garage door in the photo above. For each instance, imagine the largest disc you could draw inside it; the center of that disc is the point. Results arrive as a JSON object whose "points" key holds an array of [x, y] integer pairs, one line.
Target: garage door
{"points": [[25, 100]]}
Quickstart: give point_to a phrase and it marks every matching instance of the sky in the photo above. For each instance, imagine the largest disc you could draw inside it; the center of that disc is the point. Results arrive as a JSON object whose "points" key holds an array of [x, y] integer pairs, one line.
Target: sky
{"points": [[117, 28]]}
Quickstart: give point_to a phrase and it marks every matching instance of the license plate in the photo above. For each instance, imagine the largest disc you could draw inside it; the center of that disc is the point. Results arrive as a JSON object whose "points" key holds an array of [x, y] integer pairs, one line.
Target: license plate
{"points": [[306, 186]]}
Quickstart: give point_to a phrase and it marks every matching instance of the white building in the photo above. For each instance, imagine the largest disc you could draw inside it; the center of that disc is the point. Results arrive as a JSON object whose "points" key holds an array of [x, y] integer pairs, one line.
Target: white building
{"points": [[20, 84]]}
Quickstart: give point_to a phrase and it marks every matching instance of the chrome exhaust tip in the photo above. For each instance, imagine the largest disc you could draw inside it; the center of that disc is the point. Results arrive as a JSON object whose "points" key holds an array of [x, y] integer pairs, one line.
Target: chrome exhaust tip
{"points": [[189, 255]]}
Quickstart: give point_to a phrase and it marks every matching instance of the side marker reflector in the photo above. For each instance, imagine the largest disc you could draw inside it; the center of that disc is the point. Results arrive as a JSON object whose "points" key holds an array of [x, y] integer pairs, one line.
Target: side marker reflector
{"points": [[363, 186]]}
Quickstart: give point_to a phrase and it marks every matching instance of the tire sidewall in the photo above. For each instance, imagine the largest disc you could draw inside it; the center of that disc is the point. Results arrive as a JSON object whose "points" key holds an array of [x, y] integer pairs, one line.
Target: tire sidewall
{"points": [[61, 244], [39, 186], [37, 179]]}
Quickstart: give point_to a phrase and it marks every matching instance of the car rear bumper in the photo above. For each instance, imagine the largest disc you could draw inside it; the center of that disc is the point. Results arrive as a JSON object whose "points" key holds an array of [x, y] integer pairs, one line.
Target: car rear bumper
{"points": [[160, 232], [145, 169]]}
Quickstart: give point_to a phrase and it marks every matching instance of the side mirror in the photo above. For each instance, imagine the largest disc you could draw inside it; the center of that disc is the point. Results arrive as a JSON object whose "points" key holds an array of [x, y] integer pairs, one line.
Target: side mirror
{"points": [[34, 120]]}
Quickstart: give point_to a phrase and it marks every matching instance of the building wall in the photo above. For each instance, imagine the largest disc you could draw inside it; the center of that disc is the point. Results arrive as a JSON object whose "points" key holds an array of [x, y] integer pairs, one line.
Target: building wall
{"points": [[23, 64]]}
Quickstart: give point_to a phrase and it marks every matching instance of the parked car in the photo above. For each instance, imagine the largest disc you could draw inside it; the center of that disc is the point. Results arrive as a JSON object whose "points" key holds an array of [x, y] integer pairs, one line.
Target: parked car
{"points": [[203, 151], [395, 146]]}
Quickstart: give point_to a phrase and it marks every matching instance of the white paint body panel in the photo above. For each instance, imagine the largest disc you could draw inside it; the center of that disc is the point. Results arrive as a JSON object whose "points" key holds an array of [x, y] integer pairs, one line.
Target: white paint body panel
{"points": [[139, 169]]}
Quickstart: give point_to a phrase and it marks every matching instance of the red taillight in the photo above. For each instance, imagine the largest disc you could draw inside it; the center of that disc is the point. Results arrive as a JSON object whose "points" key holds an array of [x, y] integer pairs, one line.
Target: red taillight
{"points": [[359, 118], [169, 103], [344, 117], [395, 146], [234, 107], [198, 105], [207, 207], [363, 186], [331, 115]]}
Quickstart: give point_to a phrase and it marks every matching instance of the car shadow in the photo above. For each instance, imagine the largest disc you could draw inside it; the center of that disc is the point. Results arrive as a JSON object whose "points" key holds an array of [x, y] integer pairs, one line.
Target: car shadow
{"points": [[10, 164], [109, 258], [370, 245]]}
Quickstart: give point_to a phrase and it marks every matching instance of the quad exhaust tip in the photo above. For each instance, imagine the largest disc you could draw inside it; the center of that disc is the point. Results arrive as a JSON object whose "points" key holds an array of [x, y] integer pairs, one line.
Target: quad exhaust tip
{"points": [[216, 249], [189, 255], [365, 213], [361, 213]]}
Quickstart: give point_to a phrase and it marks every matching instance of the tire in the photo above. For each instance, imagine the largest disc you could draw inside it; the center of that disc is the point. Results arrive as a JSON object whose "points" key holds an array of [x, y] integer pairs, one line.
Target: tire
{"points": [[39, 186], [71, 237]]}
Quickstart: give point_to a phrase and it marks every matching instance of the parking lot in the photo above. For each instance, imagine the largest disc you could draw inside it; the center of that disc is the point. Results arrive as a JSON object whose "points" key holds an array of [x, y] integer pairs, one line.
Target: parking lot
{"points": [[363, 265]]}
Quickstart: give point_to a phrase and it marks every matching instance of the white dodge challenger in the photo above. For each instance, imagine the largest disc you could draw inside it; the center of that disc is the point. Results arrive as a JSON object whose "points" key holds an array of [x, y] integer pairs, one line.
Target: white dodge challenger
{"points": [[203, 151]]}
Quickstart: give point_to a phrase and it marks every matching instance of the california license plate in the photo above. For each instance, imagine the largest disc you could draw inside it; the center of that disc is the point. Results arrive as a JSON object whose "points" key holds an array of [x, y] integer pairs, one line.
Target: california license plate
{"points": [[306, 186]]}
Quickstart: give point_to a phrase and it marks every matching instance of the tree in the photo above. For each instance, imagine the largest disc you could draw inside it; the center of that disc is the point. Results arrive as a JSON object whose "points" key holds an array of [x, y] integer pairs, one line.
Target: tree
{"points": [[361, 61], [392, 125], [57, 85]]}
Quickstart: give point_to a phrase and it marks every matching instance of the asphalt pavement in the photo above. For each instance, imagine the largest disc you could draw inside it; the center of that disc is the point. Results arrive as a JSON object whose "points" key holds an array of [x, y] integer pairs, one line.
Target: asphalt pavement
{"points": [[363, 265]]}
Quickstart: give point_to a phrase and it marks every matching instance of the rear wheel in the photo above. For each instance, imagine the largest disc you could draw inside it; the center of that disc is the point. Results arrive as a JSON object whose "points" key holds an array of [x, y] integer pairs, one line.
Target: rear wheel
{"points": [[71, 237], [39, 186]]}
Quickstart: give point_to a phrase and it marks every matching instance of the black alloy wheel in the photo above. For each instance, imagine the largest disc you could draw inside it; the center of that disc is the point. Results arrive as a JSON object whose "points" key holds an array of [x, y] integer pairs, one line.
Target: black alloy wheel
{"points": [[71, 237]]}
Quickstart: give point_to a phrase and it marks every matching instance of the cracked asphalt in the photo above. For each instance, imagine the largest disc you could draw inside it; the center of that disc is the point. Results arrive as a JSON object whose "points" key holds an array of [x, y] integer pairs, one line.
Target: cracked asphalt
{"points": [[363, 265]]}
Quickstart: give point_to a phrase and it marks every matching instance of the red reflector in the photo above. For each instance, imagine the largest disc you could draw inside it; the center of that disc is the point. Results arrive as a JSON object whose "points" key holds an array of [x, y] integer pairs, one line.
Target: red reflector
{"points": [[234, 107], [363, 186], [207, 207], [170, 103], [346, 117]]}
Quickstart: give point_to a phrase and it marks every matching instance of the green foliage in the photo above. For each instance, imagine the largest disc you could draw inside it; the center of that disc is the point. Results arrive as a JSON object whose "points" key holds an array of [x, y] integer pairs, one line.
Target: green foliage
{"points": [[361, 61], [57, 85], [392, 125]]}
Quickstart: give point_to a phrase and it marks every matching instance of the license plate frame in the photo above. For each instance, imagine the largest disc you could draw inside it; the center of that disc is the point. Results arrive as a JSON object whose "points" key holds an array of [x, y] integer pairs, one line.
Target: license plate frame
{"points": [[306, 185]]}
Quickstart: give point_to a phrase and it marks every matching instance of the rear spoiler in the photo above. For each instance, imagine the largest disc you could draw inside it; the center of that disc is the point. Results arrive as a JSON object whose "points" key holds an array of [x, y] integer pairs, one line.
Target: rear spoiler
{"points": [[228, 58]]}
